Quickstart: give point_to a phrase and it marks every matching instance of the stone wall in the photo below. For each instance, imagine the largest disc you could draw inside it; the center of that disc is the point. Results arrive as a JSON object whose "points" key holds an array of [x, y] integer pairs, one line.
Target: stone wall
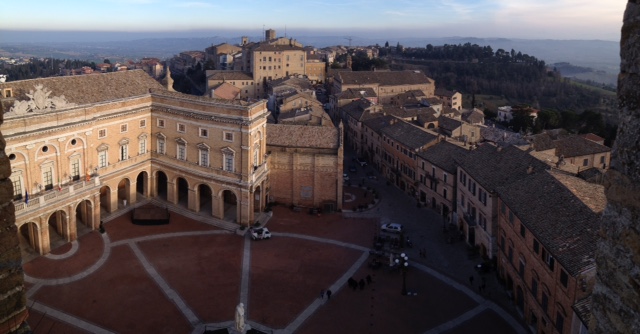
{"points": [[616, 297], [13, 312]]}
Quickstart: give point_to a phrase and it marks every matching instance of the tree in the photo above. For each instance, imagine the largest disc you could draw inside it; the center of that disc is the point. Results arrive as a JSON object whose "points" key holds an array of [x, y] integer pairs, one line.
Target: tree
{"points": [[386, 44], [107, 61]]}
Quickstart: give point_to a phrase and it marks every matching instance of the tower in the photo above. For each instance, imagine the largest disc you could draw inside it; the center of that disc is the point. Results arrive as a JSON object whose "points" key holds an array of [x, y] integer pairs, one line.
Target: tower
{"points": [[269, 34]]}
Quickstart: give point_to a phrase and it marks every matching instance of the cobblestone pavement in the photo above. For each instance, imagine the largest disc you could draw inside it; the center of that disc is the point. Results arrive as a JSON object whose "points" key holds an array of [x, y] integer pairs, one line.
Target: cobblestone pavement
{"points": [[187, 277]]}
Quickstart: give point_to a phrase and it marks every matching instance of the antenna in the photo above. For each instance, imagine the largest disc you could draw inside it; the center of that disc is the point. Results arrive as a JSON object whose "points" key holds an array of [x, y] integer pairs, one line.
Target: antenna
{"points": [[349, 38]]}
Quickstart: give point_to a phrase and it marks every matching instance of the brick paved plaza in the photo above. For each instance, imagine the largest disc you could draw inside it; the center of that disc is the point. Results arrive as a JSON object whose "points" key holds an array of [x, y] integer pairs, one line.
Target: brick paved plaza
{"points": [[187, 276]]}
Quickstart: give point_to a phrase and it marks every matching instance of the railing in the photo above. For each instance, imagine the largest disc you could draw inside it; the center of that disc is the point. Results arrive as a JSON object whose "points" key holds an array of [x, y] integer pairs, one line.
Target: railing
{"points": [[43, 198]]}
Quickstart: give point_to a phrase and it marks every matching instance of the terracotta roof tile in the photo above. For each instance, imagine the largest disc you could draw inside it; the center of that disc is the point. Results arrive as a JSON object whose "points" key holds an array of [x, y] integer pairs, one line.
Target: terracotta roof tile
{"points": [[444, 155], [408, 135], [391, 78], [302, 136]]}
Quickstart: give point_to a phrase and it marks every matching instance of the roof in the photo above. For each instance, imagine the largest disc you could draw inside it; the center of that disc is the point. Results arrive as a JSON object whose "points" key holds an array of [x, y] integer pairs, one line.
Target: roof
{"points": [[228, 75], [500, 136], [376, 124], [593, 137], [358, 109], [302, 136], [575, 146], [87, 89], [445, 92], [391, 78], [408, 135], [444, 155], [583, 310], [428, 117], [277, 47], [226, 91], [542, 141], [356, 93], [300, 83], [448, 123], [493, 167], [591, 194], [563, 224], [473, 116], [408, 114]]}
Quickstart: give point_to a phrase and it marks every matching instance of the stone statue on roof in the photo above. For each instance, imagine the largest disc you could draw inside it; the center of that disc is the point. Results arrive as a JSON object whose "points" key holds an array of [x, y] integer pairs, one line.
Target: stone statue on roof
{"points": [[39, 101]]}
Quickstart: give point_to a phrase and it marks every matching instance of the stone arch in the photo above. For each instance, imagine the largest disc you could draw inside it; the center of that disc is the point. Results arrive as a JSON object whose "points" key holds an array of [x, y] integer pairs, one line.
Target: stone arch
{"points": [[58, 224], [84, 213], [162, 185], [205, 198], [430, 126], [124, 187], [29, 234], [229, 205], [142, 185], [182, 191], [77, 146], [105, 198], [53, 149]]}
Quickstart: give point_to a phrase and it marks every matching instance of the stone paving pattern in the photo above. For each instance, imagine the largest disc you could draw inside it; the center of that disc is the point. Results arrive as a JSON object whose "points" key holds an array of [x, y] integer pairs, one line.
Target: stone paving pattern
{"points": [[187, 276]]}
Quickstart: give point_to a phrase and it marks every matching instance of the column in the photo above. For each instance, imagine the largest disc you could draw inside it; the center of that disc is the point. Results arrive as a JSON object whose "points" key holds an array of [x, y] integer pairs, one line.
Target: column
{"points": [[45, 242], [95, 221], [133, 193], [72, 227]]}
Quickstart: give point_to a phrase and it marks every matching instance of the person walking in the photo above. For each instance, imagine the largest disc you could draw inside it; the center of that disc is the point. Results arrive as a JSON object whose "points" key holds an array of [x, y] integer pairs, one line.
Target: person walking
{"points": [[328, 294], [322, 294]]}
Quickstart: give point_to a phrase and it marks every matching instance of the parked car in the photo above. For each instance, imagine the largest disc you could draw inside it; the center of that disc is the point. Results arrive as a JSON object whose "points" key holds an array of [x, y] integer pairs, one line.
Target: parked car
{"points": [[353, 169], [361, 162], [260, 233], [392, 227]]}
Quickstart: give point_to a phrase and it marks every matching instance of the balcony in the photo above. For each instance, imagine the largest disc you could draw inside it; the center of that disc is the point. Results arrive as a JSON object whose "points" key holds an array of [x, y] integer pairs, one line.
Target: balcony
{"points": [[55, 195]]}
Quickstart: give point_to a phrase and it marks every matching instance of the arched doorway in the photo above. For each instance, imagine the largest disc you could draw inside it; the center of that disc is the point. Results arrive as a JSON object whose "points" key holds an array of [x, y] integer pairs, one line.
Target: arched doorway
{"points": [[161, 184], [123, 192], [58, 234], [105, 199], [29, 237], [257, 195], [205, 199], [229, 206], [142, 189], [183, 192], [84, 214]]}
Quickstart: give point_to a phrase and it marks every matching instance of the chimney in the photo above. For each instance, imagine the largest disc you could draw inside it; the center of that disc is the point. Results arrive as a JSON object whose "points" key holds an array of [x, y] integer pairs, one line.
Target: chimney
{"points": [[530, 169]]}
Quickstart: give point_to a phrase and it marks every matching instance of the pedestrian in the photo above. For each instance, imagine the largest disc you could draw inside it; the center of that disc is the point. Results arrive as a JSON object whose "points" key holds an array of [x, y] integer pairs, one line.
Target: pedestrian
{"points": [[368, 279], [322, 294], [471, 280], [328, 294]]}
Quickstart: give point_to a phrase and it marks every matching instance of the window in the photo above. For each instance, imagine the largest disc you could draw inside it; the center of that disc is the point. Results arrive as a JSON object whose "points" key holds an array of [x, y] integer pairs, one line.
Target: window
{"points": [[482, 221], [548, 259], [523, 230], [545, 301], [102, 159], [511, 217], [17, 188], [502, 243], [75, 169], [123, 128], [161, 123], [503, 208], [444, 193], [47, 178], [143, 123], [510, 254], [228, 136], [181, 149], [181, 128], [228, 159], [102, 133], [559, 322], [161, 146], [462, 200], [444, 178], [473, 189], [585, 162], [536, 246], [143, 146], [602, 159], [204, 157], [534, 287], [564, 278], [204, 133], [521, 267], [482, 196], [124, 152]]}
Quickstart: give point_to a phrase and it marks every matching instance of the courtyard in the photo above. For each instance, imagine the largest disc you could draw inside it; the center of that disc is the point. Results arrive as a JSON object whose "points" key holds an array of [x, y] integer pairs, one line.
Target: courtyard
{"points": [[188, 276]]}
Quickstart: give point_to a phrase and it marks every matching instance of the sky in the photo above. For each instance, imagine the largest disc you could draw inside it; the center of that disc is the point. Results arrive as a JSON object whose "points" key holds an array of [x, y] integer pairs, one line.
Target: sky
{"points": [[528, 19]]}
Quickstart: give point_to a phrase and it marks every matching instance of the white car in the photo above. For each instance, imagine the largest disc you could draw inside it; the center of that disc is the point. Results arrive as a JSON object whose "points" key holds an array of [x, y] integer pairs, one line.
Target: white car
{"points": [[260, 233], [345, 176], [392, 227]]}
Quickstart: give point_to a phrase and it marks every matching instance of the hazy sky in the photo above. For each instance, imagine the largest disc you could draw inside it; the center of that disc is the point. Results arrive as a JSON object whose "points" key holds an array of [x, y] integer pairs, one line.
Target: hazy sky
{"points": [[552, 19]]}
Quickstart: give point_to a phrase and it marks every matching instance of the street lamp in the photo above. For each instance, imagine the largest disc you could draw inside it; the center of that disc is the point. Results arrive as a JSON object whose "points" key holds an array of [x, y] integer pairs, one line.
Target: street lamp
{"points": [[403, 264]]}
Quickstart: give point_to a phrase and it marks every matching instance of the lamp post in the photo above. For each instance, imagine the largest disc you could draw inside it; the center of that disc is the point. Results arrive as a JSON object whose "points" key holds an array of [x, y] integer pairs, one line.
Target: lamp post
{"points": [[404, 264]]}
